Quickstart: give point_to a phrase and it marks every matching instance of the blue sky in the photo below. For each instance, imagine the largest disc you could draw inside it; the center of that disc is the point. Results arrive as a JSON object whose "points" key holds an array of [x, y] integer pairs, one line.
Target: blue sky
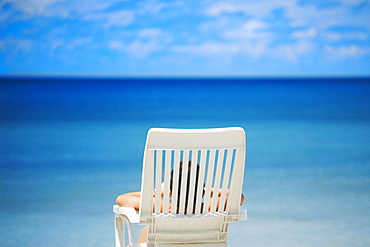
{"points": [[240, 38]]}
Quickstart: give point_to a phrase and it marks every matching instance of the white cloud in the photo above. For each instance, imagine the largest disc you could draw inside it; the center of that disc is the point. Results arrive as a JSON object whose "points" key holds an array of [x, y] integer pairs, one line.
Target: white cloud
{"points": [[148, 41], [136, 48], [339, 36], [305, 34], [153, 7], [66, 9], [81, 41], [32, 7], [206, 48], [307, 15], [56, 43], [256, 9], [118, 18], [156, 35], [212, 48], [70, 44], [150, 32], [142, 49], [254, 25], [347, 51], [117, 45], [311, 21], [250, 30], [16, 45], [282, 29], [353, 2], [2, 44], [220, 8], [294, 51]]}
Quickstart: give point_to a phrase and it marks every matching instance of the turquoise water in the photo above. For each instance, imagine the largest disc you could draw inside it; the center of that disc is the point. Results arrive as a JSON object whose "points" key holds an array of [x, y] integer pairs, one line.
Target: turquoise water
{"points": [[69, 146]]}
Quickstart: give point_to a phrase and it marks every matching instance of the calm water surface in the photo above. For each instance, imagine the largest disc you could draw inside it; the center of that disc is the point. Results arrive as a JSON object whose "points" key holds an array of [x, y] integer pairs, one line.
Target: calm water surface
{"points": [[69, 146]]}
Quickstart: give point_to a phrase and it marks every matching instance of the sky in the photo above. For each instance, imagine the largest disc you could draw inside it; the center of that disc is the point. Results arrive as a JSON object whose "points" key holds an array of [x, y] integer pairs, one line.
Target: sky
{"points": [[154, 37]]}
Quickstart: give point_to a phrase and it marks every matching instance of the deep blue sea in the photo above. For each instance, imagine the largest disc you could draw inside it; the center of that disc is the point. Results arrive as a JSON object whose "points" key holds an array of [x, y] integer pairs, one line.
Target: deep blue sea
{"points": [[69, 146]]}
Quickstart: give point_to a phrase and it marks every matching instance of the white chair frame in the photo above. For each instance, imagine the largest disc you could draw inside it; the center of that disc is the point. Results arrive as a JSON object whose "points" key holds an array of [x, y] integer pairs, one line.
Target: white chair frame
{"points": [[203, 218]]}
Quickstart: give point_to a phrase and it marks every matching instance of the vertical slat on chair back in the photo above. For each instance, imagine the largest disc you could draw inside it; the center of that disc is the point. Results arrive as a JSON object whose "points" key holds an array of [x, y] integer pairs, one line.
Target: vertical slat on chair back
{"points": [[214, 167], [205, 175]]}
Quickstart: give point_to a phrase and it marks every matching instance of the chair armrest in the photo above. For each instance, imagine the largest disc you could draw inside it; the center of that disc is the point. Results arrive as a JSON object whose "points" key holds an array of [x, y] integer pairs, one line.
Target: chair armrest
{"points": [[243, 213], [130, 212]]}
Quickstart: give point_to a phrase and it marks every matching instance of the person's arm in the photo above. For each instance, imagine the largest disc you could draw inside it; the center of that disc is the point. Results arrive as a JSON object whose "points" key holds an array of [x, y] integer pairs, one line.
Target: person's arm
{"points": [[219, 198], [227, 195], [131, 199]]}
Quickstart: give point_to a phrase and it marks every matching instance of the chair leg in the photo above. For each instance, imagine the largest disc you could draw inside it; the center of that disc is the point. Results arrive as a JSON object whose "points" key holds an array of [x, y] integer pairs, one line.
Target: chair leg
{"points": [[119, 232], [119, 222]]}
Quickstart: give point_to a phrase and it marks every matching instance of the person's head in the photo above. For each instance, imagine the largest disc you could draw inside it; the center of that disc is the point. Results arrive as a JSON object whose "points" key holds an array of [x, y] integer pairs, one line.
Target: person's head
{"points": [[188, 175]]}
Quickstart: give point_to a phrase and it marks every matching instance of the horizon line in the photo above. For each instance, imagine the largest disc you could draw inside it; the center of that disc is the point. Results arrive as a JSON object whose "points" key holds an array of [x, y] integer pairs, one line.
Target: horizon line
{"points": [[175, 76]]}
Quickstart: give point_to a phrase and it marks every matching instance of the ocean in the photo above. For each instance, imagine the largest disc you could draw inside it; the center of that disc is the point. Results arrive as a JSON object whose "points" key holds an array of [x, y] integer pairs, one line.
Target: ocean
{"points": [[70, 145]]}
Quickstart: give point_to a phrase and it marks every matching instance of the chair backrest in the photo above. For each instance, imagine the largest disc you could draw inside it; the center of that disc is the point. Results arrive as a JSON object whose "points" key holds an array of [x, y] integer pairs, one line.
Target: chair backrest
{"points": [[191, 183]]}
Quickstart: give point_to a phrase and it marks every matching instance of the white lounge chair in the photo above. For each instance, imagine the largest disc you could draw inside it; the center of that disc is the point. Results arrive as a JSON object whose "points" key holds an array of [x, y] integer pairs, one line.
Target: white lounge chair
{"points": [[198, 211]]}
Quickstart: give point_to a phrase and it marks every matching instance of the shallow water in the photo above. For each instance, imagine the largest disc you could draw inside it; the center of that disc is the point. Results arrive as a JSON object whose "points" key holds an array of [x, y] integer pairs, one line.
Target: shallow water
{"points": [[68, 147]]}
